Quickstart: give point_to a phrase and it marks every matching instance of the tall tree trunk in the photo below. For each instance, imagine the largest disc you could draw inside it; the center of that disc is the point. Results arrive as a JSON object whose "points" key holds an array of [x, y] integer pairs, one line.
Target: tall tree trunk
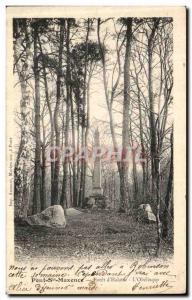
{"points": [[109, 106], [37, 171], [122, 167], [155, 153], [43, 170], [55, 192], [78, 146], [134, 172], [84, 115], [143, 164], [70, 186], [21, 168], [87, 130], [50, 114], [126, 105], [63, 200], [75, 187], [153, 146], [168, 194]]}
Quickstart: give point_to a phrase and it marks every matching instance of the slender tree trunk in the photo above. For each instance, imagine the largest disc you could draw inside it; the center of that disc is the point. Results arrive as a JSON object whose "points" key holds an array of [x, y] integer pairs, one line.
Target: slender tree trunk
{"points": [[70, 186], [87, 131], [43, 168], [78, 163], [21, 168], [63, 200], [143, 164], [126, 105], [154, 163], [122, 167], [82, 176], [83, 138], [109, 106], [134, 172], [50, 115], [155, 153], [55, 192], [75, 187], [37, 171], [168, 194], [43, 180]]}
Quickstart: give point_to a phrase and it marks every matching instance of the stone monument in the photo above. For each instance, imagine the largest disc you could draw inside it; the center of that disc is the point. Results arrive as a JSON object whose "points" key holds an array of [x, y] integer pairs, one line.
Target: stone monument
{"points": [[97, 199]]}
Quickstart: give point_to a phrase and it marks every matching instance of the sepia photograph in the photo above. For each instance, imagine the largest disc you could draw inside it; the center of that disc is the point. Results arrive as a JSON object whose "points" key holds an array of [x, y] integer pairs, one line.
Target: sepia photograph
{"points": [[95, 113]]}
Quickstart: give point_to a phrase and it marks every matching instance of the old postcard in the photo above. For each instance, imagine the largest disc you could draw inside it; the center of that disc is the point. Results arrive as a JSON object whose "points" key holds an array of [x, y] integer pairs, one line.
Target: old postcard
{"points": [[96, 150]]}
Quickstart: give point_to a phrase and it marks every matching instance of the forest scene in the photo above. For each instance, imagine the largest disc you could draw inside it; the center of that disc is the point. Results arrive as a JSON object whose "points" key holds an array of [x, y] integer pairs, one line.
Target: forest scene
{"points": [[93, 167]]}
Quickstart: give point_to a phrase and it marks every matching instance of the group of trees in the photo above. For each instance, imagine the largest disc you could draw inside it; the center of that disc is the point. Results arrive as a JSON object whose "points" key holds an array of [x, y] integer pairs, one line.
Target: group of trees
{"points": [[56, 62]]}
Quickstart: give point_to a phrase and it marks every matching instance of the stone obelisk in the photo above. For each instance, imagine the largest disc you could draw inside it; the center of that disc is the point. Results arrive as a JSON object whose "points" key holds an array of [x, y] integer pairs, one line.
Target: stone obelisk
{"points": [[97, 190]]}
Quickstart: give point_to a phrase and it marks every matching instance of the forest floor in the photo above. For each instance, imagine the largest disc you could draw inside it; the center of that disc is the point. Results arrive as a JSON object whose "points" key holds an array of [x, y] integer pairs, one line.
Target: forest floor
{"points": [[89, 235]]}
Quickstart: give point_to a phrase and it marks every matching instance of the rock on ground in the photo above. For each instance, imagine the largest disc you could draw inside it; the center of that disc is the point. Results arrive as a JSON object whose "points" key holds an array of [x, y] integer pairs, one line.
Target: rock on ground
{"points": [[90, 202], [96, 201], [53, 216], [145, 213], [72, 212]]}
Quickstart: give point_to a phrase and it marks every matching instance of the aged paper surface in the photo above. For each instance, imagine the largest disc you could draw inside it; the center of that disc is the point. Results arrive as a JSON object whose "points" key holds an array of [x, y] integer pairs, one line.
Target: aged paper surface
{"points": [[94, 250]]}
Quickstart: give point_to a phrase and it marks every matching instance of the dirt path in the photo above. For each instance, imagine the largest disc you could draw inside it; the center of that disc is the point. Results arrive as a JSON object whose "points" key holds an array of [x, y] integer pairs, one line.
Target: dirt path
{"points": [[89, 234]]}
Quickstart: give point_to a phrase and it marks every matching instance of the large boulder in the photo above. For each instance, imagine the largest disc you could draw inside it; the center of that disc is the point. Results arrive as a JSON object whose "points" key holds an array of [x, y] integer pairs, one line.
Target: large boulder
{"points": [[145, 214], [53, 216]]}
